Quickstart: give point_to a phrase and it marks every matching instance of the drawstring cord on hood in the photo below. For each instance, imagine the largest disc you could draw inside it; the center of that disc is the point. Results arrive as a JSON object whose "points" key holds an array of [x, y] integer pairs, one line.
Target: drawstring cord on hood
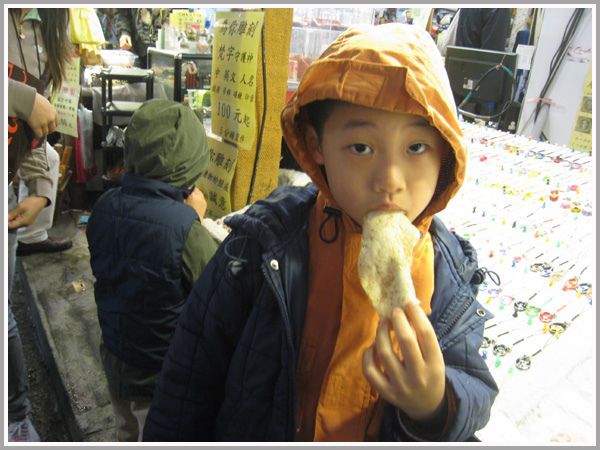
{"points": [[480, 276], [336, 214]]}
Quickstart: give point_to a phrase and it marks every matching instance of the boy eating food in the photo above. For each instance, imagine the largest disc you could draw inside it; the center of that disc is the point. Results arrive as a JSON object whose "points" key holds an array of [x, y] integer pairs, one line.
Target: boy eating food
{"points": [[280, 341]]}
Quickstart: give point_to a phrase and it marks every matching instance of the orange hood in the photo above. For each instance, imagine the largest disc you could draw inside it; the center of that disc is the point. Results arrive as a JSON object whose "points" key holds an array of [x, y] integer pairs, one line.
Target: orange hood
{"points": [[391, 67]]}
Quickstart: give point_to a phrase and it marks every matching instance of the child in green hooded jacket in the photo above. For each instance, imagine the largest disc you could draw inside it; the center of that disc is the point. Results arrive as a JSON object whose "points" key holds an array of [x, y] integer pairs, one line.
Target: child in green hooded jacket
{"points": [[148, 246]]}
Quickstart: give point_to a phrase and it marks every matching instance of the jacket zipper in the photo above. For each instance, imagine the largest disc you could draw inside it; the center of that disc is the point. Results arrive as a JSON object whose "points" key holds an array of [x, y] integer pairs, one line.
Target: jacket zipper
{"points": [[457, 317], [288, 330]]}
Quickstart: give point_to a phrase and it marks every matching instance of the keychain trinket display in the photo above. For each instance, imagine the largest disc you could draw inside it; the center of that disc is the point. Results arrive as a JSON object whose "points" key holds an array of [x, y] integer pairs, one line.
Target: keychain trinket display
{"points": [[530, 229]]}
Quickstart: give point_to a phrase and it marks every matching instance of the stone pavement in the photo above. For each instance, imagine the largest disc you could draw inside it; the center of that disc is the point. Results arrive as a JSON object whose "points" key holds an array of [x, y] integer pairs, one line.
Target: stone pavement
{"points": [[59, 290]]}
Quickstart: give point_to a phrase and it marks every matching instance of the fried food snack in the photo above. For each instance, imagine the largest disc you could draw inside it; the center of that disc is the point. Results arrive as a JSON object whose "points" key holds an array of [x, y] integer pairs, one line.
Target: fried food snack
{"points": [[388, 239]]}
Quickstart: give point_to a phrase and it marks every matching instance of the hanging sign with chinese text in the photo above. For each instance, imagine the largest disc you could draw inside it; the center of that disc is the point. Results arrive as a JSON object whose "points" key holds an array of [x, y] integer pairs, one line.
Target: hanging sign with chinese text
{"points": [[581, 138], [215, 184], [66, 100], [234, 73]]}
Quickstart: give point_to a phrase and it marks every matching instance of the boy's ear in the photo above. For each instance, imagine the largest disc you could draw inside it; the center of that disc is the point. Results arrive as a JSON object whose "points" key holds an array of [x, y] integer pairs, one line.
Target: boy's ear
{"points": [[312, 143]]}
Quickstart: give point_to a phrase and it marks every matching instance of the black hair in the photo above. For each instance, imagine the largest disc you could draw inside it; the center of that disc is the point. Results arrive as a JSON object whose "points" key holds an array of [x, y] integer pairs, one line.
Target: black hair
{"points": [[319, 111]]}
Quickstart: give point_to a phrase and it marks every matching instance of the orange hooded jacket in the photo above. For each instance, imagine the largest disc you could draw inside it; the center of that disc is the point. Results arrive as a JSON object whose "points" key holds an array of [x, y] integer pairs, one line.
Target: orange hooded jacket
{"points": [[390, 67]]}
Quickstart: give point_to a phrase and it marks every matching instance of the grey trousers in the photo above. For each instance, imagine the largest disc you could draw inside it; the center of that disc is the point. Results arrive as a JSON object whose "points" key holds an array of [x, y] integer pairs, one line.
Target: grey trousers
{"points": [[18, 384]]}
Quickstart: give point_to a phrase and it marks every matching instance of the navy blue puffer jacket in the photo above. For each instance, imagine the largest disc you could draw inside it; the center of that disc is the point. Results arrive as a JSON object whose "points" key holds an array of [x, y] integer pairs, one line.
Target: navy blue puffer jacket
{"points": [[230, 372], [139, 287]]}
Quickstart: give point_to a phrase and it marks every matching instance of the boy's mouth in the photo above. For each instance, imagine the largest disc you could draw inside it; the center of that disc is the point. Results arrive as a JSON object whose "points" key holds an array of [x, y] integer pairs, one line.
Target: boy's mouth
{"points": [[389, 207]]}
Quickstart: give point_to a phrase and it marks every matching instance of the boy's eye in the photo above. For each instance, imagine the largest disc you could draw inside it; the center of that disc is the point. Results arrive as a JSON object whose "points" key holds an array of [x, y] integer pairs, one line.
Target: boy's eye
{"points": [[417, 148], [361, 149]]}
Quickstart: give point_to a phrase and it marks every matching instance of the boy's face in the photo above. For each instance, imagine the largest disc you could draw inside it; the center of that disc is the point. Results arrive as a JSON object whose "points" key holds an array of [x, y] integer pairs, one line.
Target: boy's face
{"points": [[378, 159]]}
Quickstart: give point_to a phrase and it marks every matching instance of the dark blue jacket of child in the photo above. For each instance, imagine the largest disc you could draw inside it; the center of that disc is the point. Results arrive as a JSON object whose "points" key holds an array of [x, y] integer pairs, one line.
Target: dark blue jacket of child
{"points": [[244, 334]]}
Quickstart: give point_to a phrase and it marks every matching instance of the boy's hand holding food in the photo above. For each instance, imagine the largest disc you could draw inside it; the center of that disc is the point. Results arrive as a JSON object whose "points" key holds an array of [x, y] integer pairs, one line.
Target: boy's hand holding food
{"points": [[413, 380]]}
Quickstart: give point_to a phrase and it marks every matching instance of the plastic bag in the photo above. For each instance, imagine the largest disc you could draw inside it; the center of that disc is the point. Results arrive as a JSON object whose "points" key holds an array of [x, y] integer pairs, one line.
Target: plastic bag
{"points": [[85, 26], [84, 147]]}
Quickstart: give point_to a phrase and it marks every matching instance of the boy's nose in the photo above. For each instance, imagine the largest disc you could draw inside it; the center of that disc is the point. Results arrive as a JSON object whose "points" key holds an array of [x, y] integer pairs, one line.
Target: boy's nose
{"points": [[390, 178]]}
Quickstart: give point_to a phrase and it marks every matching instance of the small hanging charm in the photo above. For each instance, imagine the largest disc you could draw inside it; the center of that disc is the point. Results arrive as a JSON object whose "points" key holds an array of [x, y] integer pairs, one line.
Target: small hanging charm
{"points": [[536, 267], [519, 306], [570, 284], [523, 363], [557, 275], [546, 317], [486, 342], [501, 350], [532, 311], [557, 328], [583, 288]]}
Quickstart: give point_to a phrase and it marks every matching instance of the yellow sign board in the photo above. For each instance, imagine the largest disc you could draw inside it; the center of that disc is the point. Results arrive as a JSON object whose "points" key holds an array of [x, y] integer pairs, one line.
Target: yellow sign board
{"points": [[180, 18], [581, 139], [66, 100], [215, 184], [234, 72]]}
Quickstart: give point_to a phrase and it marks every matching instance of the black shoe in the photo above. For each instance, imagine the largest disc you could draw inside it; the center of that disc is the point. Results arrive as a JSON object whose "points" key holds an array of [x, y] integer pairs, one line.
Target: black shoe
{"points": [[50, 245]]}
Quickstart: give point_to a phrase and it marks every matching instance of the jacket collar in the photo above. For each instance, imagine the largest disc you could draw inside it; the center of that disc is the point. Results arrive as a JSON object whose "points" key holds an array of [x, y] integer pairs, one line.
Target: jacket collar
{"points": [[283, 211], [139, 185]]}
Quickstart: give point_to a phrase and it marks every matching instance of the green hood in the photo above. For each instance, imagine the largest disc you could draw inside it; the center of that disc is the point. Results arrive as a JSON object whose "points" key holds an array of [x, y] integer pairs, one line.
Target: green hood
{"points": [[166, 141]]}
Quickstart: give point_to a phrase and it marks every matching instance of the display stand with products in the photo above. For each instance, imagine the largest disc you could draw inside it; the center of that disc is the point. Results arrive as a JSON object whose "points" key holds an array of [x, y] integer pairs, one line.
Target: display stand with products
{"points": [[527, 208], [178, 71]]}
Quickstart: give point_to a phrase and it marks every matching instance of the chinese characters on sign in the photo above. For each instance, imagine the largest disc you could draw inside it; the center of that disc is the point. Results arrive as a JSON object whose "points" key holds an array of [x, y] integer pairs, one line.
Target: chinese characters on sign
{"points": [[66, 101], [234, 71], [581, 139], [215, 184]]}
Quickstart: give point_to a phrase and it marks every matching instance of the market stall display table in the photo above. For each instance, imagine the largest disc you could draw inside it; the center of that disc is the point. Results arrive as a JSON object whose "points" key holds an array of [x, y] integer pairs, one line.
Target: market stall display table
{"points": [[527, 207]]}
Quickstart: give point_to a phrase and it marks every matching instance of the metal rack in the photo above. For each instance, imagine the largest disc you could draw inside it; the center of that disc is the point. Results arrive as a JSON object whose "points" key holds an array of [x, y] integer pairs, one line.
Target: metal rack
{"points": [[113, 108]]}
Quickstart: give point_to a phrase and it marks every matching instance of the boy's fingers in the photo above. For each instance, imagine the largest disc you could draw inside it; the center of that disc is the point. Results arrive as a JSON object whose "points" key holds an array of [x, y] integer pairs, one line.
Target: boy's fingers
{"points": [[371, 371], [385, 350], [427, 341], [407, 340]]}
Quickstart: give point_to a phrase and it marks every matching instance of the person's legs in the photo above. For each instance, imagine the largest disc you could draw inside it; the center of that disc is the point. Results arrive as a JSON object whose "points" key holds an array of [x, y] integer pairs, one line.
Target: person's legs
{"points": [[34, 238], [20, 428], [18, 385], [140, 411], [126, 422], [11, 245]]}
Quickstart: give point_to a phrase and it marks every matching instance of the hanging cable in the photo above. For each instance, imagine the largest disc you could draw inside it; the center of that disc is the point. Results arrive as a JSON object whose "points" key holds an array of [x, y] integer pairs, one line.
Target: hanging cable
{"points": [[264, 115], [507, 105], [540, 122], [562, 50], [556, 61]]}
